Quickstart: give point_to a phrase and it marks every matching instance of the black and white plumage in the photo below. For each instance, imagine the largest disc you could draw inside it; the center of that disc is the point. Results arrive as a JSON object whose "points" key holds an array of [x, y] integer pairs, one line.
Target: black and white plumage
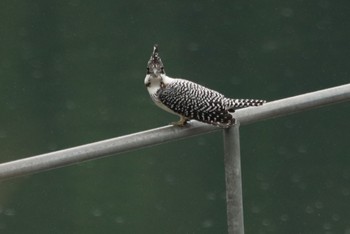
{"points": [[190, 100]]}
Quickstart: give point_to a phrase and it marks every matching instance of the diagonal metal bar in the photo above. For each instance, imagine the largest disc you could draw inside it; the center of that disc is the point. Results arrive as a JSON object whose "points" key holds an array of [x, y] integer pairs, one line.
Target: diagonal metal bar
{"points": [[100, 149], [168, 133], [295, 104]]}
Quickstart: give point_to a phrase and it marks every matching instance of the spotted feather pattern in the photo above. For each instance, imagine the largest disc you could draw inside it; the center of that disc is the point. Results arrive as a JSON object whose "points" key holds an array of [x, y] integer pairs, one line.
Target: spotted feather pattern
{"points": [[194, 101]]}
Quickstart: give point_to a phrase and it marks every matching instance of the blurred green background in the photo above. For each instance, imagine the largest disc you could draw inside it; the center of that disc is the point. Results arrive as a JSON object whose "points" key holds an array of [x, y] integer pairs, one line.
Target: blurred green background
{"points": [[72, 71]]}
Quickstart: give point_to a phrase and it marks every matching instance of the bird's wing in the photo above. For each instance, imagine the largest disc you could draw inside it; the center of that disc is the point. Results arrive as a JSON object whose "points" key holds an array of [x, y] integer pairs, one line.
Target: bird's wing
{"points": [[195, 102]]}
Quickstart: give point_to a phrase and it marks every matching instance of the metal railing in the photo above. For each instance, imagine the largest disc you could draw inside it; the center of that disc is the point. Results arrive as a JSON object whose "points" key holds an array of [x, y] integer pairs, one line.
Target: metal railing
{"points": [[165, 134]]}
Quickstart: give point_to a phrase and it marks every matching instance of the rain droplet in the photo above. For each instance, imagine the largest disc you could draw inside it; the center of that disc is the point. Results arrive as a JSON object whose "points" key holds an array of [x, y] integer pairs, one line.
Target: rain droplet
{"points": [[97, 212], [207, 223], [319, 205], [309, 210], [327, 226], [119, 220], [284, 217], [335, 217], [9, 212], [287, 12]]}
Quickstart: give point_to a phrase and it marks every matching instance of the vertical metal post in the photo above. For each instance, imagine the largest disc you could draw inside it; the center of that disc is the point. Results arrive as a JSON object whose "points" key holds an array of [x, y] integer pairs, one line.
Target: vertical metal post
{"points": [[234, 197]]}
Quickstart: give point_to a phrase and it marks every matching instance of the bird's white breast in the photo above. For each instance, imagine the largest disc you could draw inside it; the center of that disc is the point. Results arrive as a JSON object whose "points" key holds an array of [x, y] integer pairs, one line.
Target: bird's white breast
{"points": [[154, 86]]}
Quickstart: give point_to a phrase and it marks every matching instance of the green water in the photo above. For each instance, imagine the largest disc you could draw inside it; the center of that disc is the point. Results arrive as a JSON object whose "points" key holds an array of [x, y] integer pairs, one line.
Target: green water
{"points": [[71, 73]]}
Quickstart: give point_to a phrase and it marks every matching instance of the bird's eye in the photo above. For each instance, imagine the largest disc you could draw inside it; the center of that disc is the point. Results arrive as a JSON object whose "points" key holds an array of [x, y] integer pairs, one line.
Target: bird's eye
{"points": [[147, 70]]}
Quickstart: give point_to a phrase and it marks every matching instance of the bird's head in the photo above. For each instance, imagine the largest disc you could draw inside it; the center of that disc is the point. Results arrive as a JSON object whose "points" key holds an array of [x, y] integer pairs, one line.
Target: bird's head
{"points": [[155, 67]]}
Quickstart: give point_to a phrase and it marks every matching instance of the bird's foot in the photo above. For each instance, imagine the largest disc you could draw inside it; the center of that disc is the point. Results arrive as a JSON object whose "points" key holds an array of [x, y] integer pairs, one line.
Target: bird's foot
{"points": [[182, 122]]}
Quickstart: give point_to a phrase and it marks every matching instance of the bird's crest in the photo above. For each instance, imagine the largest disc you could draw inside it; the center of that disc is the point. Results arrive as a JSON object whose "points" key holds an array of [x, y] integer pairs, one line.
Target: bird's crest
{"points": [[155, 65]]}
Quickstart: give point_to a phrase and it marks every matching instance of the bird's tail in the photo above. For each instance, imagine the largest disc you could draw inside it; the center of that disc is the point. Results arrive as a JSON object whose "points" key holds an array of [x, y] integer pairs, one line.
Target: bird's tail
{"points": [[241, 103]]}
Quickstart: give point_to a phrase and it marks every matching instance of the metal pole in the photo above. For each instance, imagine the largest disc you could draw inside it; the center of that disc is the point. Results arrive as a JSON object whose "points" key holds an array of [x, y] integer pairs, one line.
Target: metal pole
{"points": [[101, 149], [233, 175], [161, 135], [294, 104]]}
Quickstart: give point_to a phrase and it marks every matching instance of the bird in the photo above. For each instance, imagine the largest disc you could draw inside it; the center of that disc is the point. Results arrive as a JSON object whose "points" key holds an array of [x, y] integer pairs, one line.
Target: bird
{"points": [[189, 100]]}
